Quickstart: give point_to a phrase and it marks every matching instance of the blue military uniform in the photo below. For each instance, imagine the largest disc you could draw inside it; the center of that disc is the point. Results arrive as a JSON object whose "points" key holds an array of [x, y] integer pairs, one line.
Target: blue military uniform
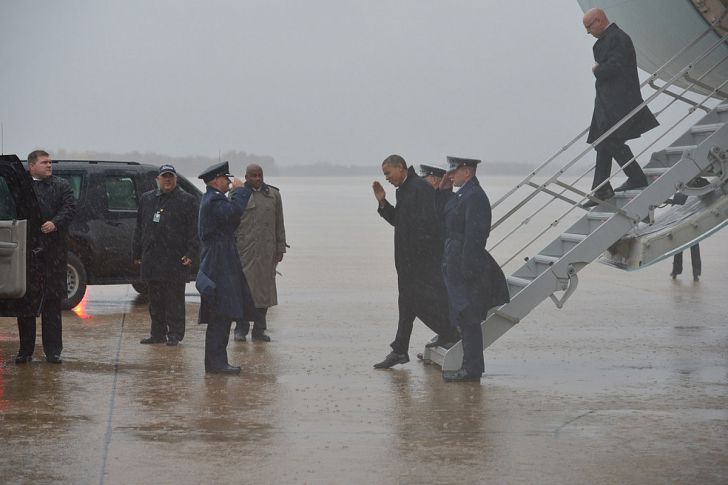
{"points": [[474, 280], [225, 295]]}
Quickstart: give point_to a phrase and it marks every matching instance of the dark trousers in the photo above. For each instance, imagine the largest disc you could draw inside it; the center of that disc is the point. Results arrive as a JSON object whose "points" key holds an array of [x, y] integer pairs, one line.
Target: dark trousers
{"points": [[50, 328], [677, 262], [407, 316], [167, 308], [216, 341], [619, 151], [259, 323], [472, 333]]}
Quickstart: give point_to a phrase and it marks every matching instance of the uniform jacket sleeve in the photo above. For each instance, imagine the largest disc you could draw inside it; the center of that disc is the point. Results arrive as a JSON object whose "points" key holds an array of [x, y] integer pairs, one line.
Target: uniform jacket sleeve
{"points": [[477, 230], [66, 204], [231, 213]]}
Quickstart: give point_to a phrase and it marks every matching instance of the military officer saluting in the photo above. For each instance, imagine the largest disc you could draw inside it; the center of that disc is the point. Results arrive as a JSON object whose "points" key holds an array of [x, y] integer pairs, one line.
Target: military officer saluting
{"points": [[224, 292], [474, 280], [432, 174]]}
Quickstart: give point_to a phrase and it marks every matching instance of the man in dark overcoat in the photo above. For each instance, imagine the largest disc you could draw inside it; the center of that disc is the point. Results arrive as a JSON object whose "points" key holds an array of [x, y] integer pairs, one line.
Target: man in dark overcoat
{"points": [[617, 93], [417, 256], [57, 207], [225, 295], [165, 245], [474, 280]]}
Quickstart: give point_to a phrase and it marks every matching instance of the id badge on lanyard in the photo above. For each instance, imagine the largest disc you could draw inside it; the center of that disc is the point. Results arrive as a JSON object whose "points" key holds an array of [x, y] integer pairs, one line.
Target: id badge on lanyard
{"points": [[157, 216]]}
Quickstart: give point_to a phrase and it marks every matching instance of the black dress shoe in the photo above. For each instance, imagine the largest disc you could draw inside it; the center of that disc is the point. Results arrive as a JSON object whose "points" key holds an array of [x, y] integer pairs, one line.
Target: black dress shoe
{"points": [[259, 337], [632, 185], [239, 336], [54, 359], [460, 375], [391, 360], [23, 359], [172, 341], [228, 369], [440, 342], [153, 340], [600, 194]]}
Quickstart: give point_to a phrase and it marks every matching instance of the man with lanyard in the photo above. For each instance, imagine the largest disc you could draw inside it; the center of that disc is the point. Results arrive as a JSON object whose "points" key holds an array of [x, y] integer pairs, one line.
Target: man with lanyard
{"points": [[165, 245]]}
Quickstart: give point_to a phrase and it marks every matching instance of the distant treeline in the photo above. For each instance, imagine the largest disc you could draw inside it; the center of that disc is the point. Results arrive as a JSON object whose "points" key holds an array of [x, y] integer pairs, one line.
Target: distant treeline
{"points": [[191, 165]]}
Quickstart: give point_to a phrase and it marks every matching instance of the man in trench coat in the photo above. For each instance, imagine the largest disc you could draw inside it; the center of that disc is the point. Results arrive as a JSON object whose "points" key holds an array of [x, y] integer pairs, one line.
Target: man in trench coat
{"points": [[261, 239], [617, 93], [57, 206], [224, 292], [417, 256], [165, 245], [474, 280]]}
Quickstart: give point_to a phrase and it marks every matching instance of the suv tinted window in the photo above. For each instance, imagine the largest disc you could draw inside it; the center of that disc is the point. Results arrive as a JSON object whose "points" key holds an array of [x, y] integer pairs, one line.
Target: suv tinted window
{"points": [[186, 186], [120, 193], [7, 203], [75, 181]]}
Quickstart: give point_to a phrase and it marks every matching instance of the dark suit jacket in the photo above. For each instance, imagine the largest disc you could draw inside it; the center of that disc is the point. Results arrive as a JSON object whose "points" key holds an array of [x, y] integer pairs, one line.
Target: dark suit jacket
{"points": [[161, 245], [617, 88], [418, 251], [57, 204]]}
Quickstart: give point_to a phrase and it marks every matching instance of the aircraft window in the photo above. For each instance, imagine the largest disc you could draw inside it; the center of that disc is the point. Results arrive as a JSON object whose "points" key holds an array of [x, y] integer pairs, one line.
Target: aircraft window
{"points": [[120, 193], [7, 203]]}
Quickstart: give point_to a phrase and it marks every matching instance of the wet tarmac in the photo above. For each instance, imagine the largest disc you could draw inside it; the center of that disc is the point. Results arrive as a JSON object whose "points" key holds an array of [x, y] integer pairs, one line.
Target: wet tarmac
{"points": [[627, 384]]}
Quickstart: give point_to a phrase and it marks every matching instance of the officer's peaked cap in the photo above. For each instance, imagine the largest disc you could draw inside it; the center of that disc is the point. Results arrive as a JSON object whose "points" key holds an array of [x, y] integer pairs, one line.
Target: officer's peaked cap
{"points": [[455, 162], [214, 171], [427, 170]]}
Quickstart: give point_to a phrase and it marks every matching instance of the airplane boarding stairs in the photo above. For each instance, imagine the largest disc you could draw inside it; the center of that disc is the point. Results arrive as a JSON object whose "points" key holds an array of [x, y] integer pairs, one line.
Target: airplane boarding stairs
{"points": [[625, 227]]}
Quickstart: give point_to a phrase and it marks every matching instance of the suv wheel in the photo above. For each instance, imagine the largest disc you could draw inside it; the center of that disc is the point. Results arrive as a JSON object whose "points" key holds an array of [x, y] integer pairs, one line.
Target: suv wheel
{"points": [[76, 280]]}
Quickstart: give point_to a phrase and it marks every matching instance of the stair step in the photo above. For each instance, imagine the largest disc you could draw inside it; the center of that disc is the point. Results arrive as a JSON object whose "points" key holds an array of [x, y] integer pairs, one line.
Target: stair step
{"points": [[542, 258], [722, 108], [680, 149], [599, 216], [571, 237], [655, 172], [706, 128], [516, 281], [627, 194]]}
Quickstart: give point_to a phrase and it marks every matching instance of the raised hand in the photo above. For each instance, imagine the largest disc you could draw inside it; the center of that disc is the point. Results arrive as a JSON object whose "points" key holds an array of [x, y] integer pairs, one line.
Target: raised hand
{"points": [[379, 192]]}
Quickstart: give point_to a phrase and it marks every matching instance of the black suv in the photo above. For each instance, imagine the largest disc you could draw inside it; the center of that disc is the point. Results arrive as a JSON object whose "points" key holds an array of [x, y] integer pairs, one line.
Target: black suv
{"points": [[100, 236]]}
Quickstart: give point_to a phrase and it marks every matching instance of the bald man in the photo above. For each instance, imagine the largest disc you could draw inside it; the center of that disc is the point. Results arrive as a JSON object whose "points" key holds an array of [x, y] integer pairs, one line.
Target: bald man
{"points": [[617, 93], [261, 240]]}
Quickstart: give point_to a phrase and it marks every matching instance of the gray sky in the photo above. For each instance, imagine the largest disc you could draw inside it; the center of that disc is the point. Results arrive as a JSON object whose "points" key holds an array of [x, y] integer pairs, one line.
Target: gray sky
{"points": [[341, 81]]}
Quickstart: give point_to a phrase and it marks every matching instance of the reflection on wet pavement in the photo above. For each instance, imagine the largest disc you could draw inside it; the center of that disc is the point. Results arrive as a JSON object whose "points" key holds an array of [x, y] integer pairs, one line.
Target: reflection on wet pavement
{"points": [[627, 384]]}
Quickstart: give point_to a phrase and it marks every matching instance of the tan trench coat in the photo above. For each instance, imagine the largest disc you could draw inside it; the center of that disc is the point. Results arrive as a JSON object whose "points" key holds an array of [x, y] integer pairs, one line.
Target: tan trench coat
{"points": [[260, 236]]}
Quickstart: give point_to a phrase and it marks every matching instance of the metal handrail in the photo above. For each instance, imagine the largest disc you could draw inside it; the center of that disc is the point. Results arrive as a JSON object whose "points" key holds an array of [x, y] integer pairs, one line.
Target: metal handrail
{"points": [[562, 216], [665, 133], [555, 223], [605, 135], [528, 178], [682, 73]]}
